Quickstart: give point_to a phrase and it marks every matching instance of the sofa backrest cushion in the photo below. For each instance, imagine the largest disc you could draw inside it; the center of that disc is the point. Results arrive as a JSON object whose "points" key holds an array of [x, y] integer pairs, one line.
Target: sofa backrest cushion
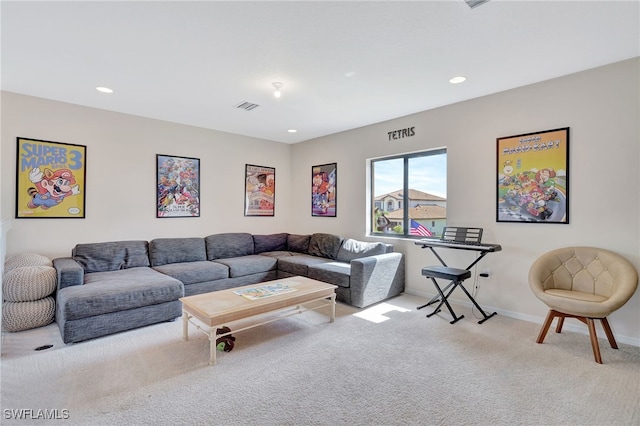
{"points": [[272, 242], [226, 245], [163, 251], [298, 243], [325, 245], [352, 249], [111, 256]]}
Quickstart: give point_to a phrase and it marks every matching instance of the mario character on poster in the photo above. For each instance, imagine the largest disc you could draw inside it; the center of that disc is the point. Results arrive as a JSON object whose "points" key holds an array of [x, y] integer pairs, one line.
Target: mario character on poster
{"points": [[323, 190], [260, 191], [532, 177], [178, 186], [50, 179]]}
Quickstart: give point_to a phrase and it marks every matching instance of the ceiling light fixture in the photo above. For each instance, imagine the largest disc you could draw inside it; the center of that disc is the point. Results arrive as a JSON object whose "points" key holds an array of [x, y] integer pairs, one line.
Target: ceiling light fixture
{"points": [[292, 131], [277, 85], [457, 80], [104, 89]]}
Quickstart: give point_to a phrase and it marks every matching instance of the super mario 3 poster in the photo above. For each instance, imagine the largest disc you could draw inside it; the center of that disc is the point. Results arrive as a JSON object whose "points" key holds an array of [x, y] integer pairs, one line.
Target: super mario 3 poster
{"points": [[533, 179], [50, 180]]}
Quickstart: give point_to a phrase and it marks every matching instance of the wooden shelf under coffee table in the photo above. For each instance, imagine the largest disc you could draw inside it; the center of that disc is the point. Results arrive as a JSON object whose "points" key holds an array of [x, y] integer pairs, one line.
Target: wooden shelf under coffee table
{"points": [[219, 308]]}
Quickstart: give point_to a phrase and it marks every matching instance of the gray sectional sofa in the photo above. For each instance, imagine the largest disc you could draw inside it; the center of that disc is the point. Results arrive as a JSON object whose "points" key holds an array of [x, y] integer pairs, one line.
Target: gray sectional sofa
{"points": [[108, 287]]}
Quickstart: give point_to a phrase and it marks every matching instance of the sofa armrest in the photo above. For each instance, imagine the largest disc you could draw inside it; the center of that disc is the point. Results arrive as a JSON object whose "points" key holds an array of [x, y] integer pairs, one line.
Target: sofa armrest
{"points": [[376, 278], [69, 272]]}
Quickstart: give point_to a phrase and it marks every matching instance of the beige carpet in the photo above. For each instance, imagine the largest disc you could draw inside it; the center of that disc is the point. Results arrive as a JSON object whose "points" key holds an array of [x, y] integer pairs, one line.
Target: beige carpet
{"points": [[374, 368]]}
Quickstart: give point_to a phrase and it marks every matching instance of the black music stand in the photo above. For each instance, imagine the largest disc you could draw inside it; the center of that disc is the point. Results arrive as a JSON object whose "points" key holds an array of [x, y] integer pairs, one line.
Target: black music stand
{"points": [[465, 237]]}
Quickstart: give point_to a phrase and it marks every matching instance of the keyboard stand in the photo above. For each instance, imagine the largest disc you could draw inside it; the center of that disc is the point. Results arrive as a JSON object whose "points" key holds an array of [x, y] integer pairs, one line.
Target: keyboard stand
{"points": [[456, 277]]}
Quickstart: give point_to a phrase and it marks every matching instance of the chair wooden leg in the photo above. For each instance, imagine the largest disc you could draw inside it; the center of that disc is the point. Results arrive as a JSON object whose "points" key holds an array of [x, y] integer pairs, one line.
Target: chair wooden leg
{"points": [[594, 340], [560, 324], [607, 331], [545, 327], [590, 322]]}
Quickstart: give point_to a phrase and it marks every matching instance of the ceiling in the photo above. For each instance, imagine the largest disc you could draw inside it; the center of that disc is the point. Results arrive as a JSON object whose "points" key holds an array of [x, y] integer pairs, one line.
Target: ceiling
{"points": [[343, 64]]}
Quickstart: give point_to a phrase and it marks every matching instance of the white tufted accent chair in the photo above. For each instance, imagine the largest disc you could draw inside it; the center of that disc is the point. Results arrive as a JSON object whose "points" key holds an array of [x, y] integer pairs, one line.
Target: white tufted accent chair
{"points": [[585, 283]]}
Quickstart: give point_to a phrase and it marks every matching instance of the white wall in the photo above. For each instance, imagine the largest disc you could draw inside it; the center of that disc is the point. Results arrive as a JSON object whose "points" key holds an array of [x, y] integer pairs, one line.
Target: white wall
{"points": [[601, 106], [121, 176]]}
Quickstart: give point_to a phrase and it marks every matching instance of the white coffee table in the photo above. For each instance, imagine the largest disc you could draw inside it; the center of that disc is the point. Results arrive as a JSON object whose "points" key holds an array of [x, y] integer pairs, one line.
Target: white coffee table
{"points": [[220, 308]]}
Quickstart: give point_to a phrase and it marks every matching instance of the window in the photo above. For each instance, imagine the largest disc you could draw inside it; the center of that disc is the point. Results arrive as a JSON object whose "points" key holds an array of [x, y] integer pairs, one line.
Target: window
{"points": [[413, 190]]}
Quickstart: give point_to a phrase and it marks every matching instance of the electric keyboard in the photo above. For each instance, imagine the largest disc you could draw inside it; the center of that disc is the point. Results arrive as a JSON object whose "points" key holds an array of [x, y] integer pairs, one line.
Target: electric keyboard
{"points": [[461, 245]]}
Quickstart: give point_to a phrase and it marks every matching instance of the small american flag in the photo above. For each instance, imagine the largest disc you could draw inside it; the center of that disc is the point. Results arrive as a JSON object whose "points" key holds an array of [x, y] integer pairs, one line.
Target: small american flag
{"points": [[418, 229]]}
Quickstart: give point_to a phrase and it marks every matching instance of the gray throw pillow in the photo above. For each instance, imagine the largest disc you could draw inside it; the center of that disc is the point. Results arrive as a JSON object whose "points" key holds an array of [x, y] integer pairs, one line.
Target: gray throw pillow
{"points": [[325, 245], [298, 243], [352, 249]]}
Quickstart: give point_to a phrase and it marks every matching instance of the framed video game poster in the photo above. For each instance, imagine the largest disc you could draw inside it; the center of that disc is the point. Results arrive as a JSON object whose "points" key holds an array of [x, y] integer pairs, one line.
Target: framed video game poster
{"points": [[177, 186], [324, 190], [50, 179], [259, 190], [533, 177]]}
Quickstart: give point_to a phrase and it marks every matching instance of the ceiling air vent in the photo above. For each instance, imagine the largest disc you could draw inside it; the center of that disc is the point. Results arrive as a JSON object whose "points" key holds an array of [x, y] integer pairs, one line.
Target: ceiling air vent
{"points": [[247, 106], [475, 3]]}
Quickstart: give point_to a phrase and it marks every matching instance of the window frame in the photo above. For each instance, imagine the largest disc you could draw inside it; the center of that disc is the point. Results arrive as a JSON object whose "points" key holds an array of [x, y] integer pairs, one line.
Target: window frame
{"points": [[405, 190]]}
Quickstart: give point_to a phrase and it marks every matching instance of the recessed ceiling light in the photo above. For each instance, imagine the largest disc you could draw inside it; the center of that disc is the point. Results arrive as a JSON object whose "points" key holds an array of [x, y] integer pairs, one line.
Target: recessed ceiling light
{"points": [[104, 89], [278, 86], [456, 80], [292, 131]]}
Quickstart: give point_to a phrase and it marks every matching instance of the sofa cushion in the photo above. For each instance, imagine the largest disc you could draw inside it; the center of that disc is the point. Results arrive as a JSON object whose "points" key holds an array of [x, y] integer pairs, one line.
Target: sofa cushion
{"points": [[247, 265], [325, 245], [279, 253], [111, 256], [298, 243], [352, 249], [273, 242], [232, 244], [194, 272], [299, 264], [175, 250], [338, 273], [114, 291]]}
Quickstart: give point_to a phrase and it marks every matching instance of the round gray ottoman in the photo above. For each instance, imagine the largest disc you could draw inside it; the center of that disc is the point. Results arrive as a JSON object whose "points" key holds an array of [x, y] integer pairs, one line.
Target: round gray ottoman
{"points": [[19, 316], [28, 282], [20, 260]]}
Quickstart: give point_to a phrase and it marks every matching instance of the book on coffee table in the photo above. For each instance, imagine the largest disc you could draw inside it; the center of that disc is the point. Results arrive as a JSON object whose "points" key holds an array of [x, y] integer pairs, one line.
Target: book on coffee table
{"points": [[267, 290]]}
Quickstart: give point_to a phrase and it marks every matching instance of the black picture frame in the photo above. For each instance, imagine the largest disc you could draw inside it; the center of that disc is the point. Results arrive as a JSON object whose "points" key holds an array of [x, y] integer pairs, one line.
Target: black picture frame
{"points": [[50, 179], [532, 172], [259, 190], [324, 190], [177, 186]]}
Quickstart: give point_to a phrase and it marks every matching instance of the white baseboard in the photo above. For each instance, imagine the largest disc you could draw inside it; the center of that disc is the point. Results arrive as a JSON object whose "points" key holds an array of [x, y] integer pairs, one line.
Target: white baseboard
{"points": [[577, 328]]}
